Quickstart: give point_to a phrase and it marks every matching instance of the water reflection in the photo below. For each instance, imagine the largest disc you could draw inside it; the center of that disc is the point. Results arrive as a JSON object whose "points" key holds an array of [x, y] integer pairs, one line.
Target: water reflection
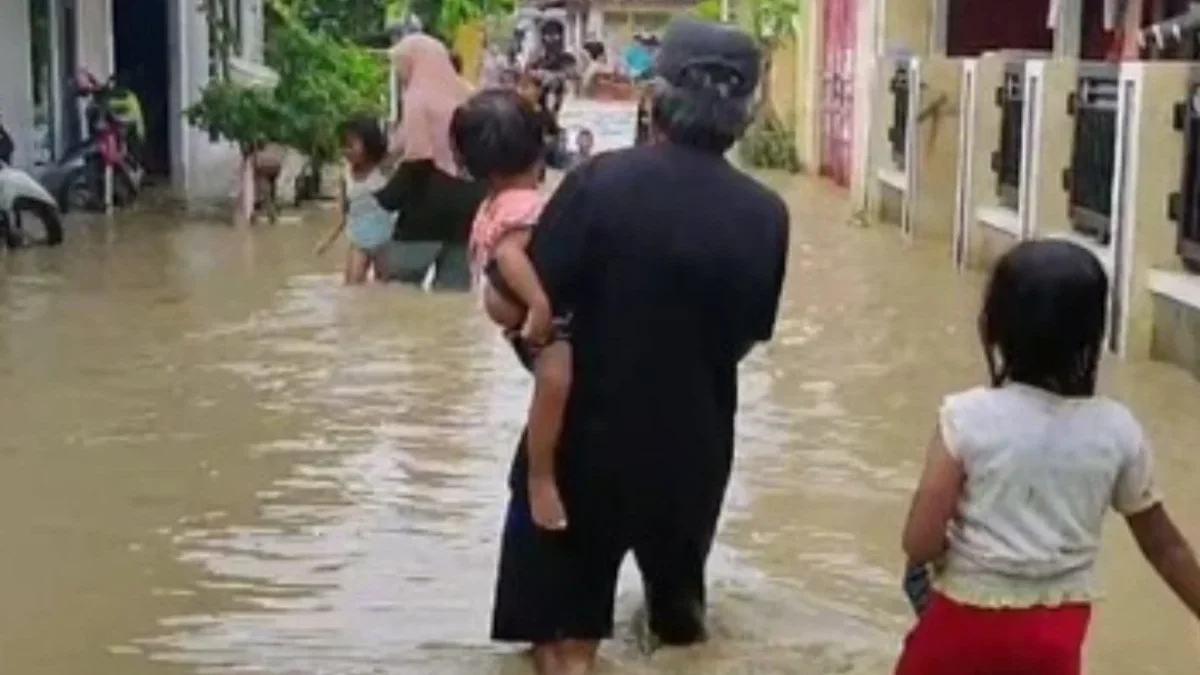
{"points": [[218, 460]]}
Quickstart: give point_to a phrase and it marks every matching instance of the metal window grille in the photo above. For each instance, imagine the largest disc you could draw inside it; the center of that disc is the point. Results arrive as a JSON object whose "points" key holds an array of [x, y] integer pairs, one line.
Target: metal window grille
{"points": [[1184, 206], [1006, 160], [1089, 179], [898, 133]]}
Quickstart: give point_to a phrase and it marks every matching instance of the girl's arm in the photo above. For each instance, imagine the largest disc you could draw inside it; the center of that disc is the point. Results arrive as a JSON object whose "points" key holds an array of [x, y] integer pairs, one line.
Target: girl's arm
{"points": [[339, 224], [1168, 552], [518, 271], [934, 504]]}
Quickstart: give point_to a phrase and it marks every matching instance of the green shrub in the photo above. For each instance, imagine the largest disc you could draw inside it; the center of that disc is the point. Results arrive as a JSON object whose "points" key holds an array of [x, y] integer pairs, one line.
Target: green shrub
{"points": [[770, 144]]}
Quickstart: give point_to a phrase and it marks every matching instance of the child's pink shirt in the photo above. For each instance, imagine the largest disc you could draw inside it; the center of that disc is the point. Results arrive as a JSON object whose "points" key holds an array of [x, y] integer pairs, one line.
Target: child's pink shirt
{"points": [[500, 215]]}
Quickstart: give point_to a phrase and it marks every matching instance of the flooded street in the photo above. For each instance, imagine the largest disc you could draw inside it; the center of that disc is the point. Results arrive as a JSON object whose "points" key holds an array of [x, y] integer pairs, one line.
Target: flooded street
{"points": [[215, 459]]}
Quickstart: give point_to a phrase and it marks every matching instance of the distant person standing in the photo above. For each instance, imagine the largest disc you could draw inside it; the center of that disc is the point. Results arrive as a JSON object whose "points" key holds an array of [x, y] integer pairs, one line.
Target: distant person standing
{"points": [[585, 143], [638, 58], [670, 263], [436, 204]]}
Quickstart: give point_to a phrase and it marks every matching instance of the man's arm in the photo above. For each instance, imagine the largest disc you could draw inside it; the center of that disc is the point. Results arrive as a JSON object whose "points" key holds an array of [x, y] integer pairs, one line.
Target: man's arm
{"points": [[765, 307], [763, 327]]}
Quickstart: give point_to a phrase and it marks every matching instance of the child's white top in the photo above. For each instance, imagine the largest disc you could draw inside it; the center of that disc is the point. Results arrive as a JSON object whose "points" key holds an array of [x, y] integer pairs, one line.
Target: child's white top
{"points": [[368, 225], [1041, 472]]}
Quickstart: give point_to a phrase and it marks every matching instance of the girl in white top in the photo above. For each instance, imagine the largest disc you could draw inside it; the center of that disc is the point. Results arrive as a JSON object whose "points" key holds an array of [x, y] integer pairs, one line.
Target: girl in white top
{"points": [[1019, 477], [366, 224]]}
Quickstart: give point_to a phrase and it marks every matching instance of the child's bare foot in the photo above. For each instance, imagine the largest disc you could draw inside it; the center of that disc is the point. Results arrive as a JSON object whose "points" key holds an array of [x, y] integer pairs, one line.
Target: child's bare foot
{"points": [[545, 504]]}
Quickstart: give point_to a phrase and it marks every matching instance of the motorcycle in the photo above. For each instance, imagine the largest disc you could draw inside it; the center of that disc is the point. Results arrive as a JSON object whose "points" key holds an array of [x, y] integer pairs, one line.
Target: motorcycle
{"points": [[23, 201], [115, 124]]}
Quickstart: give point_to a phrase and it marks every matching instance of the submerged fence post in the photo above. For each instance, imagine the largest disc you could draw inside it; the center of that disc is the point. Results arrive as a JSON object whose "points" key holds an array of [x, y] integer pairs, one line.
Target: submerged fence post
{"points": [[108, 189], [964, 211]]}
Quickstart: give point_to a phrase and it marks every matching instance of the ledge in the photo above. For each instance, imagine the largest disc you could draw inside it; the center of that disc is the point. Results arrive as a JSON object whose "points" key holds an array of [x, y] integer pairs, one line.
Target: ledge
{"points": [[1100, 251], [1180, 287], [893, 178], [1000, 218]]}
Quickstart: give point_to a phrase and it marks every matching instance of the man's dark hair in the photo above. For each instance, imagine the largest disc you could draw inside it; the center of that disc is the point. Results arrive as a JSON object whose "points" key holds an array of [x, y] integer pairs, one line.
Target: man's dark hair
{"points": [[705, 75], [696, 119], [496, 133], [367, 130]]}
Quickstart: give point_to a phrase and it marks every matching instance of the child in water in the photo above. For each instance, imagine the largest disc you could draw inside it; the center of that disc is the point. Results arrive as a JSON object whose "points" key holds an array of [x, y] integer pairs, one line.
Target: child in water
{"points": [[498, 138], [1019, 477], [366, 224]]}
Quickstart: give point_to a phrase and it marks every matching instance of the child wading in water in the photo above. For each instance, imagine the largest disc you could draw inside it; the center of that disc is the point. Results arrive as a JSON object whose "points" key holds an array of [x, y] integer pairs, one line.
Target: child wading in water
{"points": [[1019, 477], [366, 224], [498, 137]]}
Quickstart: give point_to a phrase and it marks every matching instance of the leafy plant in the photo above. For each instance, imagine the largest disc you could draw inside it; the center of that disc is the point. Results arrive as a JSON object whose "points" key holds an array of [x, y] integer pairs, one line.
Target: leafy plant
{"points": [[351, 20], [322, 81], [245, 116], [770, 144], [709, 10]]}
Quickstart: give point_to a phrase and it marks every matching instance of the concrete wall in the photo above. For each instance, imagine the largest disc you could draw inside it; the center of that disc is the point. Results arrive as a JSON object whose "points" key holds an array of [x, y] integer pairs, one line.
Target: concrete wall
{"points": [[16, 80], [1160, 325], [985, 242], [1056, 129], [808, 84], [203, 169], [95, 37], [783, 81], [936, 156]]}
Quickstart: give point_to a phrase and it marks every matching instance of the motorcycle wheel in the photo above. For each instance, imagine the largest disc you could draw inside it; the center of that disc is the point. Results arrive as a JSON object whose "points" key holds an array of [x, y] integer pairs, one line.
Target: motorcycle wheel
{"points": [[83, 190], [35, 223]]}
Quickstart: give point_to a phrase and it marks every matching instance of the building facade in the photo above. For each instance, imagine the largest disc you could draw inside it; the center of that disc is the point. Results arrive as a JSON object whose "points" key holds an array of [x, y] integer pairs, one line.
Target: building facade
{"points": [[160, 48]]}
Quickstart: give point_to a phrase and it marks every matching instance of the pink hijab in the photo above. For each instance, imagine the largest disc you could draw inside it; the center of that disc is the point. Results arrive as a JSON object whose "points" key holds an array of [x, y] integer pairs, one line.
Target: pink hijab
{"points": [[432, 90]]}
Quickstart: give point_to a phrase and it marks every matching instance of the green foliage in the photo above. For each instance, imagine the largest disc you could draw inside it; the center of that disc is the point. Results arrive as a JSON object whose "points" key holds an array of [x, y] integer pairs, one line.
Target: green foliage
{"points": [[242, 115], [453, 14], [770, 22], [350, 20], [322, 81], [709, 10], [770, 144]]}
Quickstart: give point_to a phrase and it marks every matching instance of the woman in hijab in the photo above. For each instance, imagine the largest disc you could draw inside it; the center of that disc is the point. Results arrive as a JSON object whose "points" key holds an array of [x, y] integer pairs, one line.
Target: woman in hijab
{"points": [[436, 205]]}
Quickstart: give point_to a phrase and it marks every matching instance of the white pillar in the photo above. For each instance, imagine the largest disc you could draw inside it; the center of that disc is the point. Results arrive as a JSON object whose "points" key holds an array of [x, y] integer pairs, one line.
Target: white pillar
{"points": [[16, 78], [1066, 18]]}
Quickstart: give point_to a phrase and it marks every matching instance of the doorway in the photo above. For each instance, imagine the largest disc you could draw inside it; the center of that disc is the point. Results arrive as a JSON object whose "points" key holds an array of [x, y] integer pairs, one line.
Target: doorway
{"points": [[143, 63]]}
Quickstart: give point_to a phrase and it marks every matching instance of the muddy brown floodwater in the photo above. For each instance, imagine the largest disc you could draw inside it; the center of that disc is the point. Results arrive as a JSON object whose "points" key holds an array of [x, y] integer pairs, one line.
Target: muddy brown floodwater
{"points": [[214, 459]]}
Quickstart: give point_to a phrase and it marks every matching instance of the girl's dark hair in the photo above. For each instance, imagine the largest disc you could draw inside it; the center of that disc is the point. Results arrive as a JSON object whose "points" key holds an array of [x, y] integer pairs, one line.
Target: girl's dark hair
{"points": [[367, 130], [496, 133], [1043, 317]]}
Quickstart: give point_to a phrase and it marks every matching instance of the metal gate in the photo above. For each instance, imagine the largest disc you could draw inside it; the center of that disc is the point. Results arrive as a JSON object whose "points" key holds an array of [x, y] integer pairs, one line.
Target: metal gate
{"points": [[837, 89]]}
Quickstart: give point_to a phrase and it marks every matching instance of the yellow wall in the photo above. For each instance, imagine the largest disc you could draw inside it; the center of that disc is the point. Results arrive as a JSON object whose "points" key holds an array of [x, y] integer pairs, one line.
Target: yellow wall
{"points": [[468, 43], [907, 24], [783, 81]]}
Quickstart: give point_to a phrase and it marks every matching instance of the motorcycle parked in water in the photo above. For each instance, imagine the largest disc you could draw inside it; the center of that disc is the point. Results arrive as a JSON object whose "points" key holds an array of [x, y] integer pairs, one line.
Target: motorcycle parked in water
{"points": [[115, 125], [24, 203]]}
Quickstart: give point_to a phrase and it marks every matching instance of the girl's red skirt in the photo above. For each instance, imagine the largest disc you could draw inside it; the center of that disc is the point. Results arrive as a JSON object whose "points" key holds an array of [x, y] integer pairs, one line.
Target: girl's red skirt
{"points": [[955, 639]]}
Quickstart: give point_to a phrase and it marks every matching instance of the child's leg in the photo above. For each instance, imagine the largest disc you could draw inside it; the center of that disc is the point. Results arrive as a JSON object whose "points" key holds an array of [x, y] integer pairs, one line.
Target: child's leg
{"points": [[272, 199], [552, 387], [357, 264]]}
